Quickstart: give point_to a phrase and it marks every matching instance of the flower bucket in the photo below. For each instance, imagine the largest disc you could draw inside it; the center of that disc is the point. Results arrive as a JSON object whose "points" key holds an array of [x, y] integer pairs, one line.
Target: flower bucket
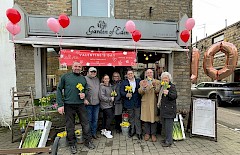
{"points": [[125, 130]]}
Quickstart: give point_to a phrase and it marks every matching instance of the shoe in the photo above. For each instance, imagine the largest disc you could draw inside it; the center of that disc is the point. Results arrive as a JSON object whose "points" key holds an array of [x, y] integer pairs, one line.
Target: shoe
{"points": [[95, 137], [146, 137], [166, 145], [108, 134], [163, 141], [139, 136], [130, 135], [103, 131], [154, 138], [90, 145], [73, 149]]}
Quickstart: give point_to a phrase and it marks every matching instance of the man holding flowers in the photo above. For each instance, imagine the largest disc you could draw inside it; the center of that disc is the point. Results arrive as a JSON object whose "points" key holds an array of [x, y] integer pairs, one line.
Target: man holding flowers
{"points": [[149, 88], [71, 103], [132, 102]]}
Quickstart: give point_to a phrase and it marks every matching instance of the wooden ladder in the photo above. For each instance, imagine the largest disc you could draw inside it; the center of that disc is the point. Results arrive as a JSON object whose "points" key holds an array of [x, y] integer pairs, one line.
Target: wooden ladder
{"points": [[22, 108]]}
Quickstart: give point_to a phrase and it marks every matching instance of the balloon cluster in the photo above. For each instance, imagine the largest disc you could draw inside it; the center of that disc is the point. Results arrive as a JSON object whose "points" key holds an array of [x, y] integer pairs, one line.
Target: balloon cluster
{"points": [[55, 25], [185, 34], [14, 17], [131, 28]]}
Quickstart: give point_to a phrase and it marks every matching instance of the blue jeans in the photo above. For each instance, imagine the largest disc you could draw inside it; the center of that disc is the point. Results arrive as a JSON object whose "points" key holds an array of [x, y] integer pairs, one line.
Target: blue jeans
{"points": [[93, 111]]}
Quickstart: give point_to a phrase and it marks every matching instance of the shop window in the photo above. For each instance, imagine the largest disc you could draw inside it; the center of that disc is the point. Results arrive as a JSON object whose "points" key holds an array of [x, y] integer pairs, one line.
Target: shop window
{"points": [[63, 67], [95, 8], [51, 80]]}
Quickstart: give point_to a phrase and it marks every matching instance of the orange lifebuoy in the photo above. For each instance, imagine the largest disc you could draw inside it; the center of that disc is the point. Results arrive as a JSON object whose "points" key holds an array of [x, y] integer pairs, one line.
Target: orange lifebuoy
{"points": [[231, 55], [194, 64]]}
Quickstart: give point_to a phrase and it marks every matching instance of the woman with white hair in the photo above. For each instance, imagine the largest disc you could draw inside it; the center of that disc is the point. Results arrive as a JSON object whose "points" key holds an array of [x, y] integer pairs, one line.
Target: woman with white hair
{"points": [[167, 103]]}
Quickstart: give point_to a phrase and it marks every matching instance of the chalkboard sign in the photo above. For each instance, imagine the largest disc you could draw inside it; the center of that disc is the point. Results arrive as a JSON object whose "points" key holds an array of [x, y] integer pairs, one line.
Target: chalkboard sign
{"points": [[204, 117]]}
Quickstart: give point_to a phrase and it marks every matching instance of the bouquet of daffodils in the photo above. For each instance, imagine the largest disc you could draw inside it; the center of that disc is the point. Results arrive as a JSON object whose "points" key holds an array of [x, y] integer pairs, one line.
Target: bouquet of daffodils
{"points": [[125, 124], [80, 87], [165, 85], [129, 90], [113, 93]]}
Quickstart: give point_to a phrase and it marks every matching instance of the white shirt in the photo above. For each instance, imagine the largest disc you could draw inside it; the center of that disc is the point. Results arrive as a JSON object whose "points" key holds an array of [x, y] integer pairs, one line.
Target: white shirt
{"points": [[133, 84]]}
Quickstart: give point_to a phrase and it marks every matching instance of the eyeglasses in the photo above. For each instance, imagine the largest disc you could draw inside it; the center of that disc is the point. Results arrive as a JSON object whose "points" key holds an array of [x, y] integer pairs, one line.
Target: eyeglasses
{"points": [[115, 76], [93, 71]]}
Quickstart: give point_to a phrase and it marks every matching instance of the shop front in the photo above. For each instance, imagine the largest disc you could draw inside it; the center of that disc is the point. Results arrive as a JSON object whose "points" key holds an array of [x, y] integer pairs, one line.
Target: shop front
{"points": [[159, 48]]}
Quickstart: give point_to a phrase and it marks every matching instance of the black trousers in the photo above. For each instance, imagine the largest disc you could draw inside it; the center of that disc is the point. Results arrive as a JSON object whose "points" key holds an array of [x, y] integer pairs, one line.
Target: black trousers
{"points": [[71, 110], [107, 118], [118, 121]]}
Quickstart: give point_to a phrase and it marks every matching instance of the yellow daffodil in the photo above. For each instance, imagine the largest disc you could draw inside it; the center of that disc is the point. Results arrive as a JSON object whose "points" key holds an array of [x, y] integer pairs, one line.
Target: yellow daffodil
{"points": [[80, 87], [113, 93], [125, 124], [128, 89], [165, 85]]}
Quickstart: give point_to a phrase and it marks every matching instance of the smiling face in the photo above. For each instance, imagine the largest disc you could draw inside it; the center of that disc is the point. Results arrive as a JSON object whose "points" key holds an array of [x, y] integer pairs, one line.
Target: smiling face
{"points": [[130, 75], [116, 76], [76, 67], [92, 73], [166, 79], [149, 73], [106, 79]]}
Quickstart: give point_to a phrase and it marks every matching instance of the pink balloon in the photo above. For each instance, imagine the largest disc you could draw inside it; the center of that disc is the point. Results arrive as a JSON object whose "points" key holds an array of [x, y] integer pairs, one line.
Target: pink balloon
{"points": [[130, 26], [13, 28], [190, 23], [53, 24]]}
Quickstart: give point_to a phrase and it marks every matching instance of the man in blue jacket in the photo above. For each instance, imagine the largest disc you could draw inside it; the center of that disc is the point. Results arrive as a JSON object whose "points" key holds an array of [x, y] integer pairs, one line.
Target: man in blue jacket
{"points": [[132, 102]]}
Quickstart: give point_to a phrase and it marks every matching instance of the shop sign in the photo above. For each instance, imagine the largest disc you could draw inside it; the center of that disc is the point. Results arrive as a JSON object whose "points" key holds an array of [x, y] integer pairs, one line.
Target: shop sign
{"points": [[97, 58]]}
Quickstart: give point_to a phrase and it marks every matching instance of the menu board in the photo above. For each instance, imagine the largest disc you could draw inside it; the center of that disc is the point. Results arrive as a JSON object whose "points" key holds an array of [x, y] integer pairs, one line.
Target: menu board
{"points": [[204, 117]]}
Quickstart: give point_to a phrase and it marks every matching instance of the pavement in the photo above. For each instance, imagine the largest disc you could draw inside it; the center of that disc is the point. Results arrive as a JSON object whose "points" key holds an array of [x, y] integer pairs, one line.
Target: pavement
{"points": [[228, 143]]}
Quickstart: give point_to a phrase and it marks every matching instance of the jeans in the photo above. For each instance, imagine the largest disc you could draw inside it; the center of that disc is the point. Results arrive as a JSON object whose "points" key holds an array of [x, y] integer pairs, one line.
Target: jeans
{"points": [[93, 111], [70, 112], [134, 120]]}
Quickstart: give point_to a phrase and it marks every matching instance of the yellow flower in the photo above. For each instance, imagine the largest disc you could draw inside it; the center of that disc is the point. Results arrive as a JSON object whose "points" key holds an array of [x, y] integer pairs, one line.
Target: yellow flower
{"points": [[113, 93], [80, 87], [125, 124], [128, 89], [165, 85]]}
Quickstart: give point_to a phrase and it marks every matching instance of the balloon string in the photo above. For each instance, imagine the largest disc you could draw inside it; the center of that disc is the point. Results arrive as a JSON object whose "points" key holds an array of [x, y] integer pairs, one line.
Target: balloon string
{"points": [[59, 40], [14, 49]]}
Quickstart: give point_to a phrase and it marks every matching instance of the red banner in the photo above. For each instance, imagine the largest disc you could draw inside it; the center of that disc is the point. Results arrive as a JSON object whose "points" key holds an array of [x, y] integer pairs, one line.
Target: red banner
{"points": [[98, 58]]}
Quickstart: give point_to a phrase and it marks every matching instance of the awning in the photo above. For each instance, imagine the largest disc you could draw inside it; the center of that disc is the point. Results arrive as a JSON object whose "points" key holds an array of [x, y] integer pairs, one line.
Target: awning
{"points": [[155, 45]]}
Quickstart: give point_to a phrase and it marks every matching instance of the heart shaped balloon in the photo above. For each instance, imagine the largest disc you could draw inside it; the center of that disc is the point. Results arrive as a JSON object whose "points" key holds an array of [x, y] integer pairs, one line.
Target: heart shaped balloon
{"points": [[14, 29]]}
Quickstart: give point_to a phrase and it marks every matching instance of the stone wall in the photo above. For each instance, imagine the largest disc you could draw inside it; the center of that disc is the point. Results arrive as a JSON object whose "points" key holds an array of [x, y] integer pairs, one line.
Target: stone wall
{"points": [[181, 74], [232, 35], [25, 67]]}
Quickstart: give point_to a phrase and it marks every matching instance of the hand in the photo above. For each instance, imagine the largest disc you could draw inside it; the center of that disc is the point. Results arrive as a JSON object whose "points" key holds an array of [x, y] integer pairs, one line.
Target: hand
{"points": [[129, 95], [144, 83], [112, 98], [154, 83], [86, 102], [165, 92], [61, 110], [82, 95]]}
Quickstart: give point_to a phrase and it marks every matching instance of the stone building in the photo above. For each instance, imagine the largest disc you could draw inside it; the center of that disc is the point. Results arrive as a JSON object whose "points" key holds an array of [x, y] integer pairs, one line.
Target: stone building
{"points": [[229, 34], [159, 21]]}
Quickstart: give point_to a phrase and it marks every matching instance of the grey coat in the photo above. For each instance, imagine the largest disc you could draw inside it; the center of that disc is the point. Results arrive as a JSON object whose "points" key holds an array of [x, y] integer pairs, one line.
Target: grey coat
{"points": [[93, 90], [118, 102], [105, 96]]}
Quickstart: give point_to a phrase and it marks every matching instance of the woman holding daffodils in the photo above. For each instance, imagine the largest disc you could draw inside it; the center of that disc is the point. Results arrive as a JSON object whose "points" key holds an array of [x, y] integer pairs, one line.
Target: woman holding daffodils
{"points": [[167, 103]]}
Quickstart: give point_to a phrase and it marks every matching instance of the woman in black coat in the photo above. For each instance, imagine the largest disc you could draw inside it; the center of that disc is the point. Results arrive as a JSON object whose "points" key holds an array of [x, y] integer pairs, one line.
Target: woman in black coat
{"points": [[167, 103]]}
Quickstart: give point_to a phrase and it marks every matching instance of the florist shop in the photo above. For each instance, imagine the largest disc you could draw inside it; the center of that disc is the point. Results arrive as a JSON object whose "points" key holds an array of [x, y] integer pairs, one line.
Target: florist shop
{"points": [[100, 42]]}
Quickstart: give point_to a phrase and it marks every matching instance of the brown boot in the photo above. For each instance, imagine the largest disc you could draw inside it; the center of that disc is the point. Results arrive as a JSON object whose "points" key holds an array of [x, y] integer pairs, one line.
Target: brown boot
{"points": [[146, 137], [154, 138]]}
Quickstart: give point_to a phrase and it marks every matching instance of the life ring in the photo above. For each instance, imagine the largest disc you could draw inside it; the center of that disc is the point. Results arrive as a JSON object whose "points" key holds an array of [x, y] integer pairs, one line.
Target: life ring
{"points": [[231, 56], [194, 64]]}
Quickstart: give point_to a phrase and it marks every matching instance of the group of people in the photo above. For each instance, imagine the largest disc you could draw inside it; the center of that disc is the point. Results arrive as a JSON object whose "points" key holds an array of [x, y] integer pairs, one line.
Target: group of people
{"points": [[140, 98]]}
